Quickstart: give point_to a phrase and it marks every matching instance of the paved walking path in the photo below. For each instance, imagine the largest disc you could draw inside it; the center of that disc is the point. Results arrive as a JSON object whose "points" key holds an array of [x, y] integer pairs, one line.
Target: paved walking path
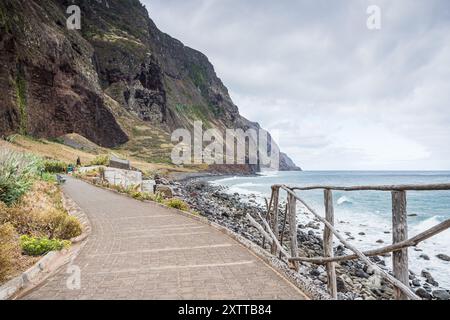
{"points": [[141, 251]]}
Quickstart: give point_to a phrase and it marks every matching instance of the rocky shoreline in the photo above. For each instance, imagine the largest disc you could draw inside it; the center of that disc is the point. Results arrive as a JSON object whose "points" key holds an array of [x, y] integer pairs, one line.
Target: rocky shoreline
{"points": [[356, 281]]}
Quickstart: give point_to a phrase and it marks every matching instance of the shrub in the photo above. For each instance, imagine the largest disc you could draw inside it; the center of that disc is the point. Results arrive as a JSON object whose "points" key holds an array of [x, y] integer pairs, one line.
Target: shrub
{"points": [[142, 196], [177, 204], [17, 174], [24, 221], [68, 228], [40, 246], [56, 223], [8, 249], [48, 177], [102, 160], [158, 197], [51, 223], [55, 166]]}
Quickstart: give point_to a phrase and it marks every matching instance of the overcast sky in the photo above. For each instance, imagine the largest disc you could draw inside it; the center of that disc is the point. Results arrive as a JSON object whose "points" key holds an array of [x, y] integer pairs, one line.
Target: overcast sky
{"points": [[337, 95]]}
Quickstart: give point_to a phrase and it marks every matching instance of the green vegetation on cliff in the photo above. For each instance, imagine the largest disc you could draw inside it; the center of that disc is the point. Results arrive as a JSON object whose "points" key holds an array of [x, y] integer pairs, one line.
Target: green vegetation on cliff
{"points": [[21, 91]]}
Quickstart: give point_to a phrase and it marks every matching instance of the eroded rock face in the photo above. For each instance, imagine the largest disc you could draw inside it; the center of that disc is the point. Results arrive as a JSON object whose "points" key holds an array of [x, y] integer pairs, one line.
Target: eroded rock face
{"points": [[48, 84], [54, 81]]}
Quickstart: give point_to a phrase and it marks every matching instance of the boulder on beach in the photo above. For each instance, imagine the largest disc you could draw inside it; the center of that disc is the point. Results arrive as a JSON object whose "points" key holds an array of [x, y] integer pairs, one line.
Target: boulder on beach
{"points": [[165, 191], [416, 283], [340, 283], [421, 292], [441, 294], [443, 257], [429, 278]]}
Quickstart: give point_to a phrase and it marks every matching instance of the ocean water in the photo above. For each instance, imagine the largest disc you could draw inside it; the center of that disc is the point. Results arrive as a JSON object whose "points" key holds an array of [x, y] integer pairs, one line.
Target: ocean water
{"points": [[368, 212]]}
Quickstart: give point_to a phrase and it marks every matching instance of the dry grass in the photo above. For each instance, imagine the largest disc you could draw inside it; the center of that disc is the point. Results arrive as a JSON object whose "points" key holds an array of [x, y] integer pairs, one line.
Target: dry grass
{"points": [[8, 250], [41, 214], [12, 262], [57, 151], [48, 149]]}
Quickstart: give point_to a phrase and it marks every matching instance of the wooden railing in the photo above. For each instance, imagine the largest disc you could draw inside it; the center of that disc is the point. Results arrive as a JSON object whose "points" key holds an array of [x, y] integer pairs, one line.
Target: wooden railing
{"points": [[270, 229]]}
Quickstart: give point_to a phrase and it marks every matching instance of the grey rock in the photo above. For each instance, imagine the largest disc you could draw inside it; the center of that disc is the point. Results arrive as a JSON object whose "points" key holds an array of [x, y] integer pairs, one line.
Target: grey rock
{"points": [[424, 294], [416, 283], [340, 283], [441, 294], [315, 272], [165, 190], [361, 274], [429, 278], [323, 278], [443, 257]]}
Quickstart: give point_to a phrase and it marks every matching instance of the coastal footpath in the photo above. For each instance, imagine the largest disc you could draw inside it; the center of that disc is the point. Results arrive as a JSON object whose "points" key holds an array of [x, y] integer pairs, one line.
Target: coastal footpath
{"points": [[141, 250]]}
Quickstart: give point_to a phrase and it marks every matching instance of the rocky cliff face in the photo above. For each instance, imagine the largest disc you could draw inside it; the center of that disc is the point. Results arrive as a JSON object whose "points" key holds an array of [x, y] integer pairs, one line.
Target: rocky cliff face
{"points": [[48, 83], [55, 81]]}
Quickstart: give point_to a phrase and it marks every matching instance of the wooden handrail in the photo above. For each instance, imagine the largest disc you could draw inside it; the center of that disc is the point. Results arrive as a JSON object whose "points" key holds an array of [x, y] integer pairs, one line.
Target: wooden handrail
{"points": [[268, 235], [376, 252], [404, 187], [396, 283], [399, 247]]}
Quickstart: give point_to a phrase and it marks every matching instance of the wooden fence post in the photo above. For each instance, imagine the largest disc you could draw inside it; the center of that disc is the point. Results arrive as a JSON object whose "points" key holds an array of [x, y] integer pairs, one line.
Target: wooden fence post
{"points": [[399, 234], [328, 243], [275, 228], [292, 203]]}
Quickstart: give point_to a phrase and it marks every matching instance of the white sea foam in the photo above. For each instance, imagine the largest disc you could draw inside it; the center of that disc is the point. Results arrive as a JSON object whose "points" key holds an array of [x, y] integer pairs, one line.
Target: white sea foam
{"points": [[344, 200]]}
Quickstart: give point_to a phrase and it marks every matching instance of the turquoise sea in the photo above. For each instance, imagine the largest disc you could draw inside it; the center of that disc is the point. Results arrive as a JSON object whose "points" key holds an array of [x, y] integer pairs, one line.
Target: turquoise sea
{"points": [[368, 212]]}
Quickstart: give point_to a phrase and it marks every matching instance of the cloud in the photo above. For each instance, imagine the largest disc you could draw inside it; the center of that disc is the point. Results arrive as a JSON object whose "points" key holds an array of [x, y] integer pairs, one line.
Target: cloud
{"points": [[339, 95]]}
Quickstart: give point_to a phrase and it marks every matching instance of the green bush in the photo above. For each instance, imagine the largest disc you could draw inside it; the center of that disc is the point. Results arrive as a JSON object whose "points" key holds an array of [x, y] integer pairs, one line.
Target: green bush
{"points": [[18, 171], [55, 166], [102, 160], [40, 246], [158, 197], [142, 196], [48, 177], [8, 249], [177, 204]]}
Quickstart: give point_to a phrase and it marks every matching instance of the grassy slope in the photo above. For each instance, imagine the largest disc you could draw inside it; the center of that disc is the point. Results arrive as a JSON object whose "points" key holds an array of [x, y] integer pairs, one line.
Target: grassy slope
{"points": [[55, 150]]}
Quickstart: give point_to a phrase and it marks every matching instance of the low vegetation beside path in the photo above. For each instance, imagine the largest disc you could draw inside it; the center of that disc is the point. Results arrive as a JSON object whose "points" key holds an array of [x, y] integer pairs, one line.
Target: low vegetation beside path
{"points": [[33, 220], [96, 176]]}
